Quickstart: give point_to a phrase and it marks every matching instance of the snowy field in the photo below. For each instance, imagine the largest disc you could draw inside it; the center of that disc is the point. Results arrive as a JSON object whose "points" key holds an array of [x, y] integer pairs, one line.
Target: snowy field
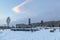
{"points": [[28, 35]]}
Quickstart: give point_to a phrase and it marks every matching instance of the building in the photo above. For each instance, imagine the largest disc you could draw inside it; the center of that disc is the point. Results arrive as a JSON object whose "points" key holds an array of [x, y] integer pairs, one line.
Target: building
{"points": [[21, 25], [47, 24], [52, 23]]}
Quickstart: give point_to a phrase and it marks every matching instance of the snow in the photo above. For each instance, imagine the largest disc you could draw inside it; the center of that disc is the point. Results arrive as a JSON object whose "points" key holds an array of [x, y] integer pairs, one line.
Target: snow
{"points": [[28, 35]]}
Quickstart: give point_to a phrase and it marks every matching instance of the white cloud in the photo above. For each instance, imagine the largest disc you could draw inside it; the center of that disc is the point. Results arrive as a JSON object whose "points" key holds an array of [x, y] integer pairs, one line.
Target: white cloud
{"points": [[17, 8]]}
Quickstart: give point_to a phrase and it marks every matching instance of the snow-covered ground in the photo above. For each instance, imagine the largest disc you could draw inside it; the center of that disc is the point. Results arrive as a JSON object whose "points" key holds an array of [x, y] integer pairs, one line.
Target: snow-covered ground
{"points": [[28, 35]]}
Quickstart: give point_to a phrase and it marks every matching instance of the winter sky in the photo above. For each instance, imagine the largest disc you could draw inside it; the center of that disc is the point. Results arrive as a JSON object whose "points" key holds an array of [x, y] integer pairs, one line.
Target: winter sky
{"points": [[37, 10]]}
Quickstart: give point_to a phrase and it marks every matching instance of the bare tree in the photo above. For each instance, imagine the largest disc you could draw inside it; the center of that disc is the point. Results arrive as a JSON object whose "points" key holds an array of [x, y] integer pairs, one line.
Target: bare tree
{"points": [[8, 21]]}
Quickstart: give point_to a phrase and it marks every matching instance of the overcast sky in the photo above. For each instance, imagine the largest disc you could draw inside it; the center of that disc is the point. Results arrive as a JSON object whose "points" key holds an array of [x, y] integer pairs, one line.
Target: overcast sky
{"points": [[37, 10]]}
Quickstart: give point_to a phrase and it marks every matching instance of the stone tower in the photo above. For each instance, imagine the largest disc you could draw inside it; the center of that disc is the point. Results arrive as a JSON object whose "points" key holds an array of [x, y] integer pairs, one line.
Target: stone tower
{"points": [[29, 21]]}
